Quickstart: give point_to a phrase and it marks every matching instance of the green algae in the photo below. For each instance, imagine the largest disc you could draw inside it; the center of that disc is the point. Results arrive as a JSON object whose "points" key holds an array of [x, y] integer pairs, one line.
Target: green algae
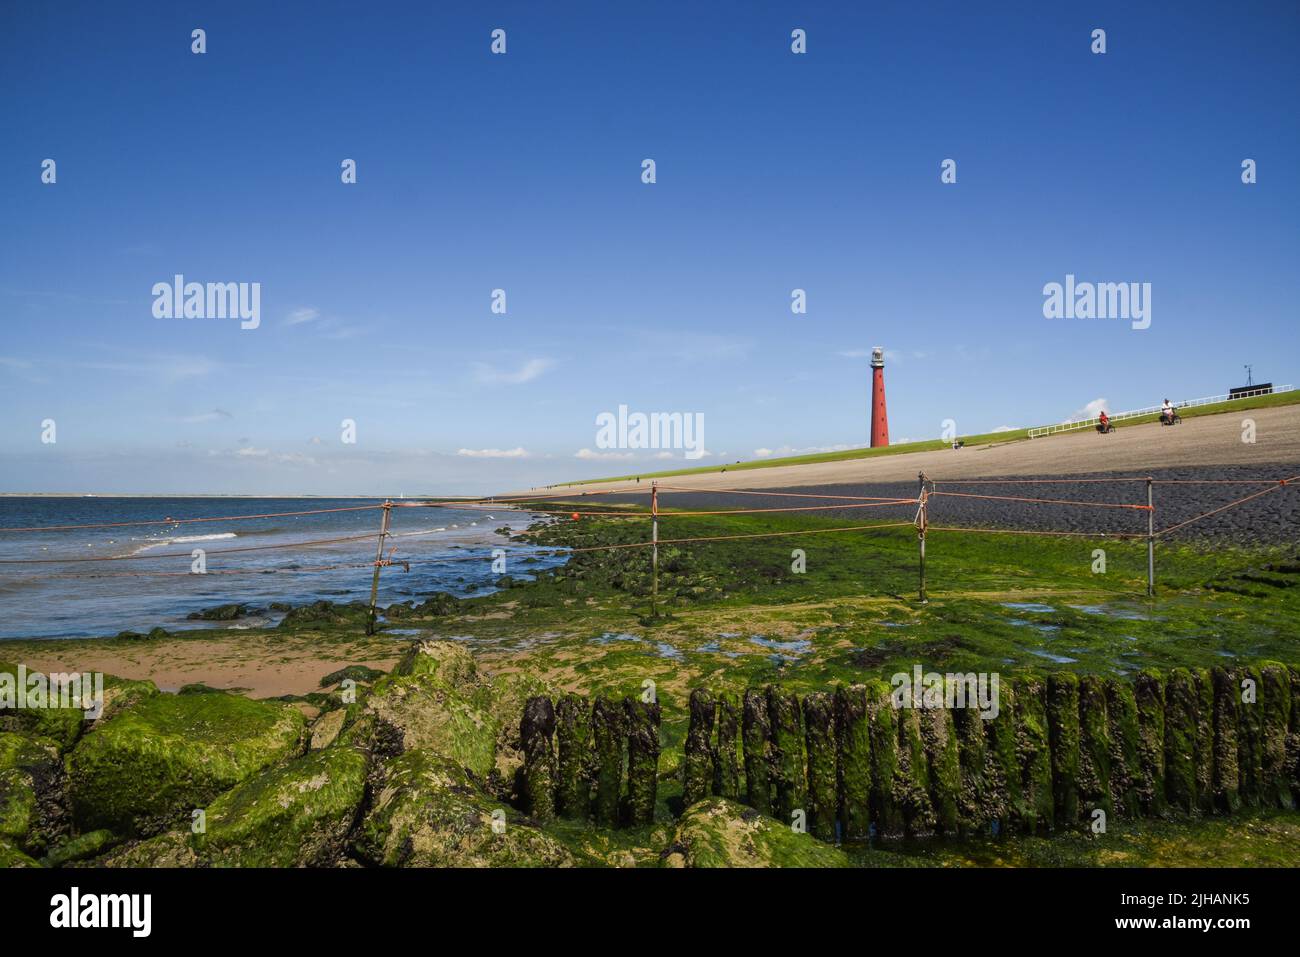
{"points": [[574, 757], [1227, 697], [1036, 809], [789, 781], [297, 814], [1064, 738], [1094, 748], [159, 759], [819, 741], [427, 812], [536, 730], [717, 832], [886, 811], [943, 760], [697, 782], [421, 711], [1149, 693], [1182, 702], [912, 776], [756, 729], [642, 721], [1275, 707], [609, 737], [853, 759], [726, 767]]}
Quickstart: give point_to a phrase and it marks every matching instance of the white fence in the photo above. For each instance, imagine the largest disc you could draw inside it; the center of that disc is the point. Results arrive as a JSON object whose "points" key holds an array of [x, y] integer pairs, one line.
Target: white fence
{"points": [[1152, 410]]}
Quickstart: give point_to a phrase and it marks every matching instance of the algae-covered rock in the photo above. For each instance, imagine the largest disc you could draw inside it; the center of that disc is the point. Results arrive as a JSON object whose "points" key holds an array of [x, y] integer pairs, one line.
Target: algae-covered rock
{"points": [[296, 814], [63, 725], [1204, 739], [426, 812], [404, 712], [12, 856], [449, 660], [717, 832], [81, 848], [361, 674], [1007, 802], [158, 760], [325, 729], [33, 798], [169, 849]]}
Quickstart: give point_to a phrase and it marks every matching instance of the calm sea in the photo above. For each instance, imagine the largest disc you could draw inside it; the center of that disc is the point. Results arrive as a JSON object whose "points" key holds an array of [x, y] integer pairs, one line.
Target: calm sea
{"points": [[47, 590]]}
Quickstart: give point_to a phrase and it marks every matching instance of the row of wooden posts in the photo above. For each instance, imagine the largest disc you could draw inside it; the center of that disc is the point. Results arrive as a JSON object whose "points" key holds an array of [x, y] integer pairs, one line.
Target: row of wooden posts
{"points": [[576, 753], [852, 764]]}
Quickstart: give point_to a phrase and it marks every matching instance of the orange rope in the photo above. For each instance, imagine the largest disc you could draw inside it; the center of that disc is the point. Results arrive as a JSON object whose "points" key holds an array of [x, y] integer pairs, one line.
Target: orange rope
{"points": [[1027, 531], [739, 491], [1282, 483]]}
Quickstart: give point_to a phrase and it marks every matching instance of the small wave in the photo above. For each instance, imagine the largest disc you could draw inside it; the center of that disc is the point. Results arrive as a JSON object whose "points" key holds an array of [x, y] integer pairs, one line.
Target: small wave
{"points": [[184, 540]]}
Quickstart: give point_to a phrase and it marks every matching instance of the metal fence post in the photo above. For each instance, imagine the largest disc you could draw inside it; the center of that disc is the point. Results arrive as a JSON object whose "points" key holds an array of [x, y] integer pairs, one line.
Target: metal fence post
{"points": [[654, 550], [922, 520], [379, 558], [1151, 541]]}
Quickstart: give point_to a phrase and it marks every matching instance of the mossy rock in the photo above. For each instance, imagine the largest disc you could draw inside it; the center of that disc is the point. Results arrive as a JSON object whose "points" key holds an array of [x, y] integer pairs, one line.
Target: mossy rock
{"points": [[717, 832], [426, 812], [11, 856], [170, 849], [158, 760], [121, 693], [409, 712], [320, 613], [447, 659], [81, 848], [362, 674], [325, 729], [63, 725], [296, 814], [33, 797]]}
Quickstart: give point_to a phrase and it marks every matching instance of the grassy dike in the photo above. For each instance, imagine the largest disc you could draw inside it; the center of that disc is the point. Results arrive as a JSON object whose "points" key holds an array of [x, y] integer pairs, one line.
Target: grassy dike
{"points": [[392, 778]]}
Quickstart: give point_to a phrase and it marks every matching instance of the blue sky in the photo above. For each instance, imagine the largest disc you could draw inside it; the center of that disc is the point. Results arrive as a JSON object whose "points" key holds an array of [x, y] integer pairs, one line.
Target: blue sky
{"points": [[523, 172]]}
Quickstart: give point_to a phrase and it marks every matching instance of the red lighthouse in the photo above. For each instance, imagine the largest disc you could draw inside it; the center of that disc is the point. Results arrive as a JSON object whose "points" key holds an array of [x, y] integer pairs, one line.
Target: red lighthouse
{"points": [[879, 417]]}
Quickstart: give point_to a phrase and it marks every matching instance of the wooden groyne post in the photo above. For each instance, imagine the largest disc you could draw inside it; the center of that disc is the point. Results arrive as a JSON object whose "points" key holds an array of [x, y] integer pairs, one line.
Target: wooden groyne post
{"points": [[379, 560]]}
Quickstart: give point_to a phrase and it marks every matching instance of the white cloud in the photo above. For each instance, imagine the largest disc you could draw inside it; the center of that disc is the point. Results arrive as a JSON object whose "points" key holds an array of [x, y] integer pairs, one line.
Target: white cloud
{"points": [[299, 316], [530, 370], [1006, 428], [810, 450], [212, 416], [589, 454], [1089, 411], [517, 453]]}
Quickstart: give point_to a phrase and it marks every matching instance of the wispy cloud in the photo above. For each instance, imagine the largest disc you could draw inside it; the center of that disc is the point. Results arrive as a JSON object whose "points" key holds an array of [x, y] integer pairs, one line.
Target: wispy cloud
{"points": [[516, 453], [1089, 410], [487, 374], [299, 316], [213, 416]]}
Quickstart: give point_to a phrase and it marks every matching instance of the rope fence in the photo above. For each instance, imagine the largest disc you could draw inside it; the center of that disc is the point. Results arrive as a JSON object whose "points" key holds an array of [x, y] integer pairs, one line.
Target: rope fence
{"points": [[927, 488]]}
